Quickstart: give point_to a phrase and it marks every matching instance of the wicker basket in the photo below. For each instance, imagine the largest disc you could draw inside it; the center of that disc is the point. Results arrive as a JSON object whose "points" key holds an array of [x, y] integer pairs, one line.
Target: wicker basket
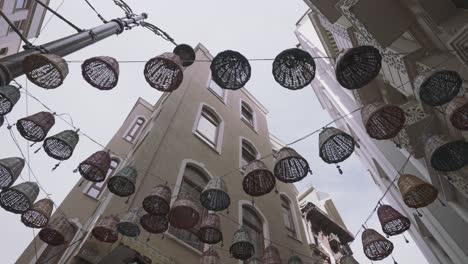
{"points": [[457, 113], [230, 70], [35, 128], [347, 260], [445, 155], [158, 201], [56, 230], [123, 182], [376, 247], [106, 229], [258, 180], [95, 167], [416, 193], [128, 224], [45, 70], [164, 72], [10, 170], [335, 145], [383, 121], [210, 257], [19, 198], [186, 54], [290, 166], [439, 87], [39, 214], [271, 256], [242, 247], [184, 213], [294, 69], [154, 224], [62, 145], [295, 260], [9, 96], [210, 230], [215, 196], [393, 222], [101, 72]]}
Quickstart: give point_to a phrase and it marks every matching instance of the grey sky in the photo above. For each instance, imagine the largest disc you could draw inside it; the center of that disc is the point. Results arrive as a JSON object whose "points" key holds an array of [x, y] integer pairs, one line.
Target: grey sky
{"points": [[258, 29]]}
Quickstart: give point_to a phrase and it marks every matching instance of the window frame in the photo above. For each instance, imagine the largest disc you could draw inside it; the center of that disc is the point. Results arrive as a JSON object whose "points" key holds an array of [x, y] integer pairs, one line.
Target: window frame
{"points": [[26, 5], [225, 91], [94, 185], [211, 116], [253, 123], [241, 152], [287, 207], [128, 132]]}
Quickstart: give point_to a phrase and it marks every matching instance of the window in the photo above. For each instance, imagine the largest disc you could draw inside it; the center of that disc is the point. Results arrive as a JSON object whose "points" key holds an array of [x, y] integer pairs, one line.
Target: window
{"points": [[97, 187], [132, 134], [248, 154], [253, 224], [208, 127], [3, 51], [22, 4], [193, 182], [53, 254], [216, 89], [247, 114], [288, 216]]}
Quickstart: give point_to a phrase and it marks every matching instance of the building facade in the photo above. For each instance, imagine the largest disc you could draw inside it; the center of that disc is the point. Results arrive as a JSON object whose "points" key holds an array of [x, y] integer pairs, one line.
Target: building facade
{"points": [[415, 38]]}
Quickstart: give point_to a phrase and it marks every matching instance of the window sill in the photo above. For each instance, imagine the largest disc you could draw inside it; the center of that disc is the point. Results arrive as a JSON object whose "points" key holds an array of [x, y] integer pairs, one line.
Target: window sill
{"points": [[209, 144], [249, 124], [295, 238], [189, 247], [218, 96]]}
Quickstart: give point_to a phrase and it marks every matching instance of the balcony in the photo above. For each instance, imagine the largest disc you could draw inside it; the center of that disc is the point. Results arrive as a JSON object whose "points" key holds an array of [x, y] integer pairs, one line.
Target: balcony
{"points": [[327, 8], [459, 43]]}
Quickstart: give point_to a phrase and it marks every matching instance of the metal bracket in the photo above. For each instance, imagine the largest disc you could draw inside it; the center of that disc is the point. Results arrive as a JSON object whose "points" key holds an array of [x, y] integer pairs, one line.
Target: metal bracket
{"points": [[158, 32], [126, 8]]}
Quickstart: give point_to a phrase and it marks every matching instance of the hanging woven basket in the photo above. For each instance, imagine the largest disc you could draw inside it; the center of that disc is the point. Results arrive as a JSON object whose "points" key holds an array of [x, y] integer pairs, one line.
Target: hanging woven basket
{"points": [[393, 222], [9, 96], [164, 72], [95, 167], [335, 145], [347, 260], [106, 229], [39, 214], [457, 113], [271, 256], [334, 243], [35, 128], [19, 198], [186, 54], [258, 180], [376, 247], [439, 87], [184, 212], [290, 166], [154, 224], [10, 170], [45, 70], [210, 257], [295, 260], [357, 67], [128, 224], [242, 247], [56, 230], [416, 193], [210, 230], [383, 121], [445, 155], [158, 201], [62, 145], [230, 70], [123, 182], [294, 69], [215, 196], [101, 72]]}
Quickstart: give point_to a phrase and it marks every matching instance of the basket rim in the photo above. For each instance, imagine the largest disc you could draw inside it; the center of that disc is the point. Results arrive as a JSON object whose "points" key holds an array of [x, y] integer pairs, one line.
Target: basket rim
{"points": [[341, 133], [179, 77], [29, 224], [11, 209], [249, 177], [307, 167], [379, 108], [285, 52], [22, 131], [62, 142], [216, 78], [84, 175], [45, 58]]}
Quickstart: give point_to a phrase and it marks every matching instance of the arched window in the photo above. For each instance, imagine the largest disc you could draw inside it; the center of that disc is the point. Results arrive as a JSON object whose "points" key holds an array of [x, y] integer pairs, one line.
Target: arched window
{"points": [[135, 129], [208, 126], [248, 153], [97, 187], [288, 218], [216, 89], [253, 224], [247, 114]]}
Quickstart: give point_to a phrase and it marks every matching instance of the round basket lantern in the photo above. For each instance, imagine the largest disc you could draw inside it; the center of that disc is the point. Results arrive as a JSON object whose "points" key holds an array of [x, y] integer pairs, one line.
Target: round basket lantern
{"points": [[335, 145], [45, 70], [445, 155], [62, 145], [95, 167], [215, 196], [106, 229], [39, 214], [416, 193], [210, 257], [294, 69], [347, 260], [242, 247], [128, 224], [56, 230], [357, 67], [10, 169], [439, 87], [123, 182], [383, 121], [295, 260], [334, 242], [376, 247], [164, 72], [184, 212], [230, 70], [258, 180], [210, 230], [154, 224], [290, 166], [271, 256], [186, 54], [393, 222], [158, 201], [457, 113], [19, 198], [9, 96], [35, 128], [101, 72]]}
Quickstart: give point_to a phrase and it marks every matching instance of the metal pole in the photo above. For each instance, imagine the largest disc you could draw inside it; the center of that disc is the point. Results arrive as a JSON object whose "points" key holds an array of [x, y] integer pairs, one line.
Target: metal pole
{"points": [[12, 66]]}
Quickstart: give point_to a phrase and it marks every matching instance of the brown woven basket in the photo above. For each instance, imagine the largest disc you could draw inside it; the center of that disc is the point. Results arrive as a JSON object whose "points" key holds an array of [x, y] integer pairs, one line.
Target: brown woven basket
{"points": [[258, 180], [10, 170], [106, 229], [184, 213], [95, 167], [210, 230], [242, 247], [164, 72], [158, 201], [393, 222], [215, 196], [446, 155], [101, 72], [56, 230], [383, 121], [376, 247], [294, 69], [45, 70], [154, 224], [39, 214], [290, 166], [416, 193], [35, 128], [457, 113]]}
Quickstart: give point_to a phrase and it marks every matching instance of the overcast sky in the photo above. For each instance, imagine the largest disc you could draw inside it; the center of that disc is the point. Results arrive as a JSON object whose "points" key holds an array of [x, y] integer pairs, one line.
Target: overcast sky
{"points": [[257, 29]]}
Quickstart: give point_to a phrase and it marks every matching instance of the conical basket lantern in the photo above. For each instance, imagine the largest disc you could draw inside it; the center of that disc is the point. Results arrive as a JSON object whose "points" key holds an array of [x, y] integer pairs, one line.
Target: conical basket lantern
{"points": [[9, 96], [334, 242], [210, 257], [19, 198], [39, 214], [445, 155], [254, 260], [106, 229], [215, 196], [158, 201], [45, 70], [290, 166], [416, 193], [294, 69], [393, 222], [164, 72], [101, 72], [457, 113], [230, 70], [123, 182], [62, 145], [258, 180], [439, 87], [184, 213], [295, 260], [35, 127], [95, 167], [376, 247], [271, 256], [128, 224], [242, 247], [335, 145], [357, 67], [383, 121], [10, 170], [154, 224], [56, 230], [347, 260], [186, 54], [210, 230]]}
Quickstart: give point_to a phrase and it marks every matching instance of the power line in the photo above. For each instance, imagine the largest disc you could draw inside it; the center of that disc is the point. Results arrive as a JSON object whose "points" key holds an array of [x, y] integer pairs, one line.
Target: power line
{"points": [[97, 13]]}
